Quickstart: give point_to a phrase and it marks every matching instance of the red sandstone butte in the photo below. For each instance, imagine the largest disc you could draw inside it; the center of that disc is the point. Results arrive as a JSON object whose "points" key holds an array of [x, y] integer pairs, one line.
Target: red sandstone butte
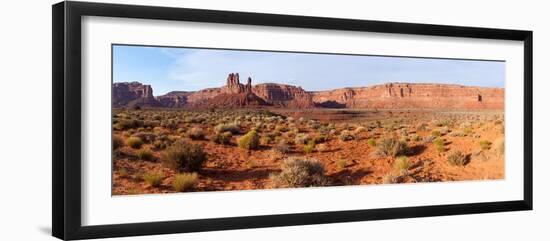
{"points": [[386, 96]]}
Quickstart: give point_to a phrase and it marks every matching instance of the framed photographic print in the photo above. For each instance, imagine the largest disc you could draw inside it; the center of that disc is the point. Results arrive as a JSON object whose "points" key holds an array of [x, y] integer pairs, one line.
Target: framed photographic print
{"points": [[170, 120]]}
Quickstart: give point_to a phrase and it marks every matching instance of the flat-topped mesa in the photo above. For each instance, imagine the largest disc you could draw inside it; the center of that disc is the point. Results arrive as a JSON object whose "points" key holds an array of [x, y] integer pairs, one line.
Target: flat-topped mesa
{"points": [[133, 94], [234, 86], [413, 95]]}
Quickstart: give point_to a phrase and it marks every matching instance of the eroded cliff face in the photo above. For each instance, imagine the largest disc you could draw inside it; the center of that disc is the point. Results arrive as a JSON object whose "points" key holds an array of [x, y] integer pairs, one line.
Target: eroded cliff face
{"points": [[284, 95], [133, 94], [417, 96], [385, 96]]}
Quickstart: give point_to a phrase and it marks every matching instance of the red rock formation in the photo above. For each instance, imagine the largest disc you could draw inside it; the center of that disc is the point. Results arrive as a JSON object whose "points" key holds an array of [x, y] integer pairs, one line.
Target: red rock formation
{"points": [[174, 99], [418, 96], [284, 95], [133, 94]]}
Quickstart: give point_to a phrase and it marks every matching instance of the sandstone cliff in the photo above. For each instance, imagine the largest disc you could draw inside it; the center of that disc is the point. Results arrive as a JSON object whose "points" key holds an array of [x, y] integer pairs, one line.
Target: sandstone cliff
{"points": [[417, 96], [133, 94], [386, 96]]}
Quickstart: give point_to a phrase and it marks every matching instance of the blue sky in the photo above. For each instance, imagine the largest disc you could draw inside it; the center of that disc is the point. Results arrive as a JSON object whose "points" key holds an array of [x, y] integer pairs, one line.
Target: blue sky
{"points": [[170, 69]]}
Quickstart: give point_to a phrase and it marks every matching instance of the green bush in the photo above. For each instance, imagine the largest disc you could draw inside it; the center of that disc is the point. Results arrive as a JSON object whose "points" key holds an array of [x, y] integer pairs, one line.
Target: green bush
{"points": [[439, 145], [485, 145], [134, 142], [392, 147], [297, 172], [185, 182], [371, 142], [457, 158], [154, 179], [144, 154], [249, 141], [309, 147], [222, 138], [182, 156]]}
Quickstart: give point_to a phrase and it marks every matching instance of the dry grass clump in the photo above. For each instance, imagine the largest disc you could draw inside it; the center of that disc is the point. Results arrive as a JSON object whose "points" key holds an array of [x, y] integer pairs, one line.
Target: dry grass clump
{"points": [[222, 138], [341, 163], [134, 142], [347, 135], [195, 133], [392, 147], [309, 147], [153, 178], [457, 158], [249, 141], [234, 128], [182, 156], [299, 172], [144, 154], [282, 147], [402, 164], [185, 182]]}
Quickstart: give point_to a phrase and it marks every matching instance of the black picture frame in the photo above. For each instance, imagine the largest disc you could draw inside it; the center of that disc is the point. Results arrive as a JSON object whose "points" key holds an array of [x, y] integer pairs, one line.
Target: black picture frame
{"points": [[66, 127]]}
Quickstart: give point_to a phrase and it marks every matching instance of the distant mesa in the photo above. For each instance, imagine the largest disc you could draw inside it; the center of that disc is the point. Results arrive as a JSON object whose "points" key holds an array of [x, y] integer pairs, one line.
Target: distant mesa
{"points": [[386, 96]]}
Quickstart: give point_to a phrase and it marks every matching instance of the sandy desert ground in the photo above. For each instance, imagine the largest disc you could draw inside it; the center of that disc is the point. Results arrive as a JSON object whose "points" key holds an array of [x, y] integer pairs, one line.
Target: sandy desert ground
{"points": [[281, 148]]}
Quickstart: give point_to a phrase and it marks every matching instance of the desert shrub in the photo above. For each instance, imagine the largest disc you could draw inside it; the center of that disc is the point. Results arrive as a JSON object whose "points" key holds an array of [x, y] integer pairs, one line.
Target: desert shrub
{"points": [[391, 178], [160, 144], [341, 163], [134, 142], [144, 154], [392, 147], [444, 130], [222, 138], [281, 128], [153, 178], [320, 138], [195, 133], [468, 131], [457, 158], [485, 145], [436, 133], [282, 147], [182, 156], [360, 130], [415, 137], [147, 137], [185, 182], [249, 141], [321, 147], [402, 164], [302, 138], [233, 128], [422, 127], [117, 142], [439, 144], [298, 172], [309, 147], [123, 172], [125, 124], [371, 142], [346, 135], [441, 123]]}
